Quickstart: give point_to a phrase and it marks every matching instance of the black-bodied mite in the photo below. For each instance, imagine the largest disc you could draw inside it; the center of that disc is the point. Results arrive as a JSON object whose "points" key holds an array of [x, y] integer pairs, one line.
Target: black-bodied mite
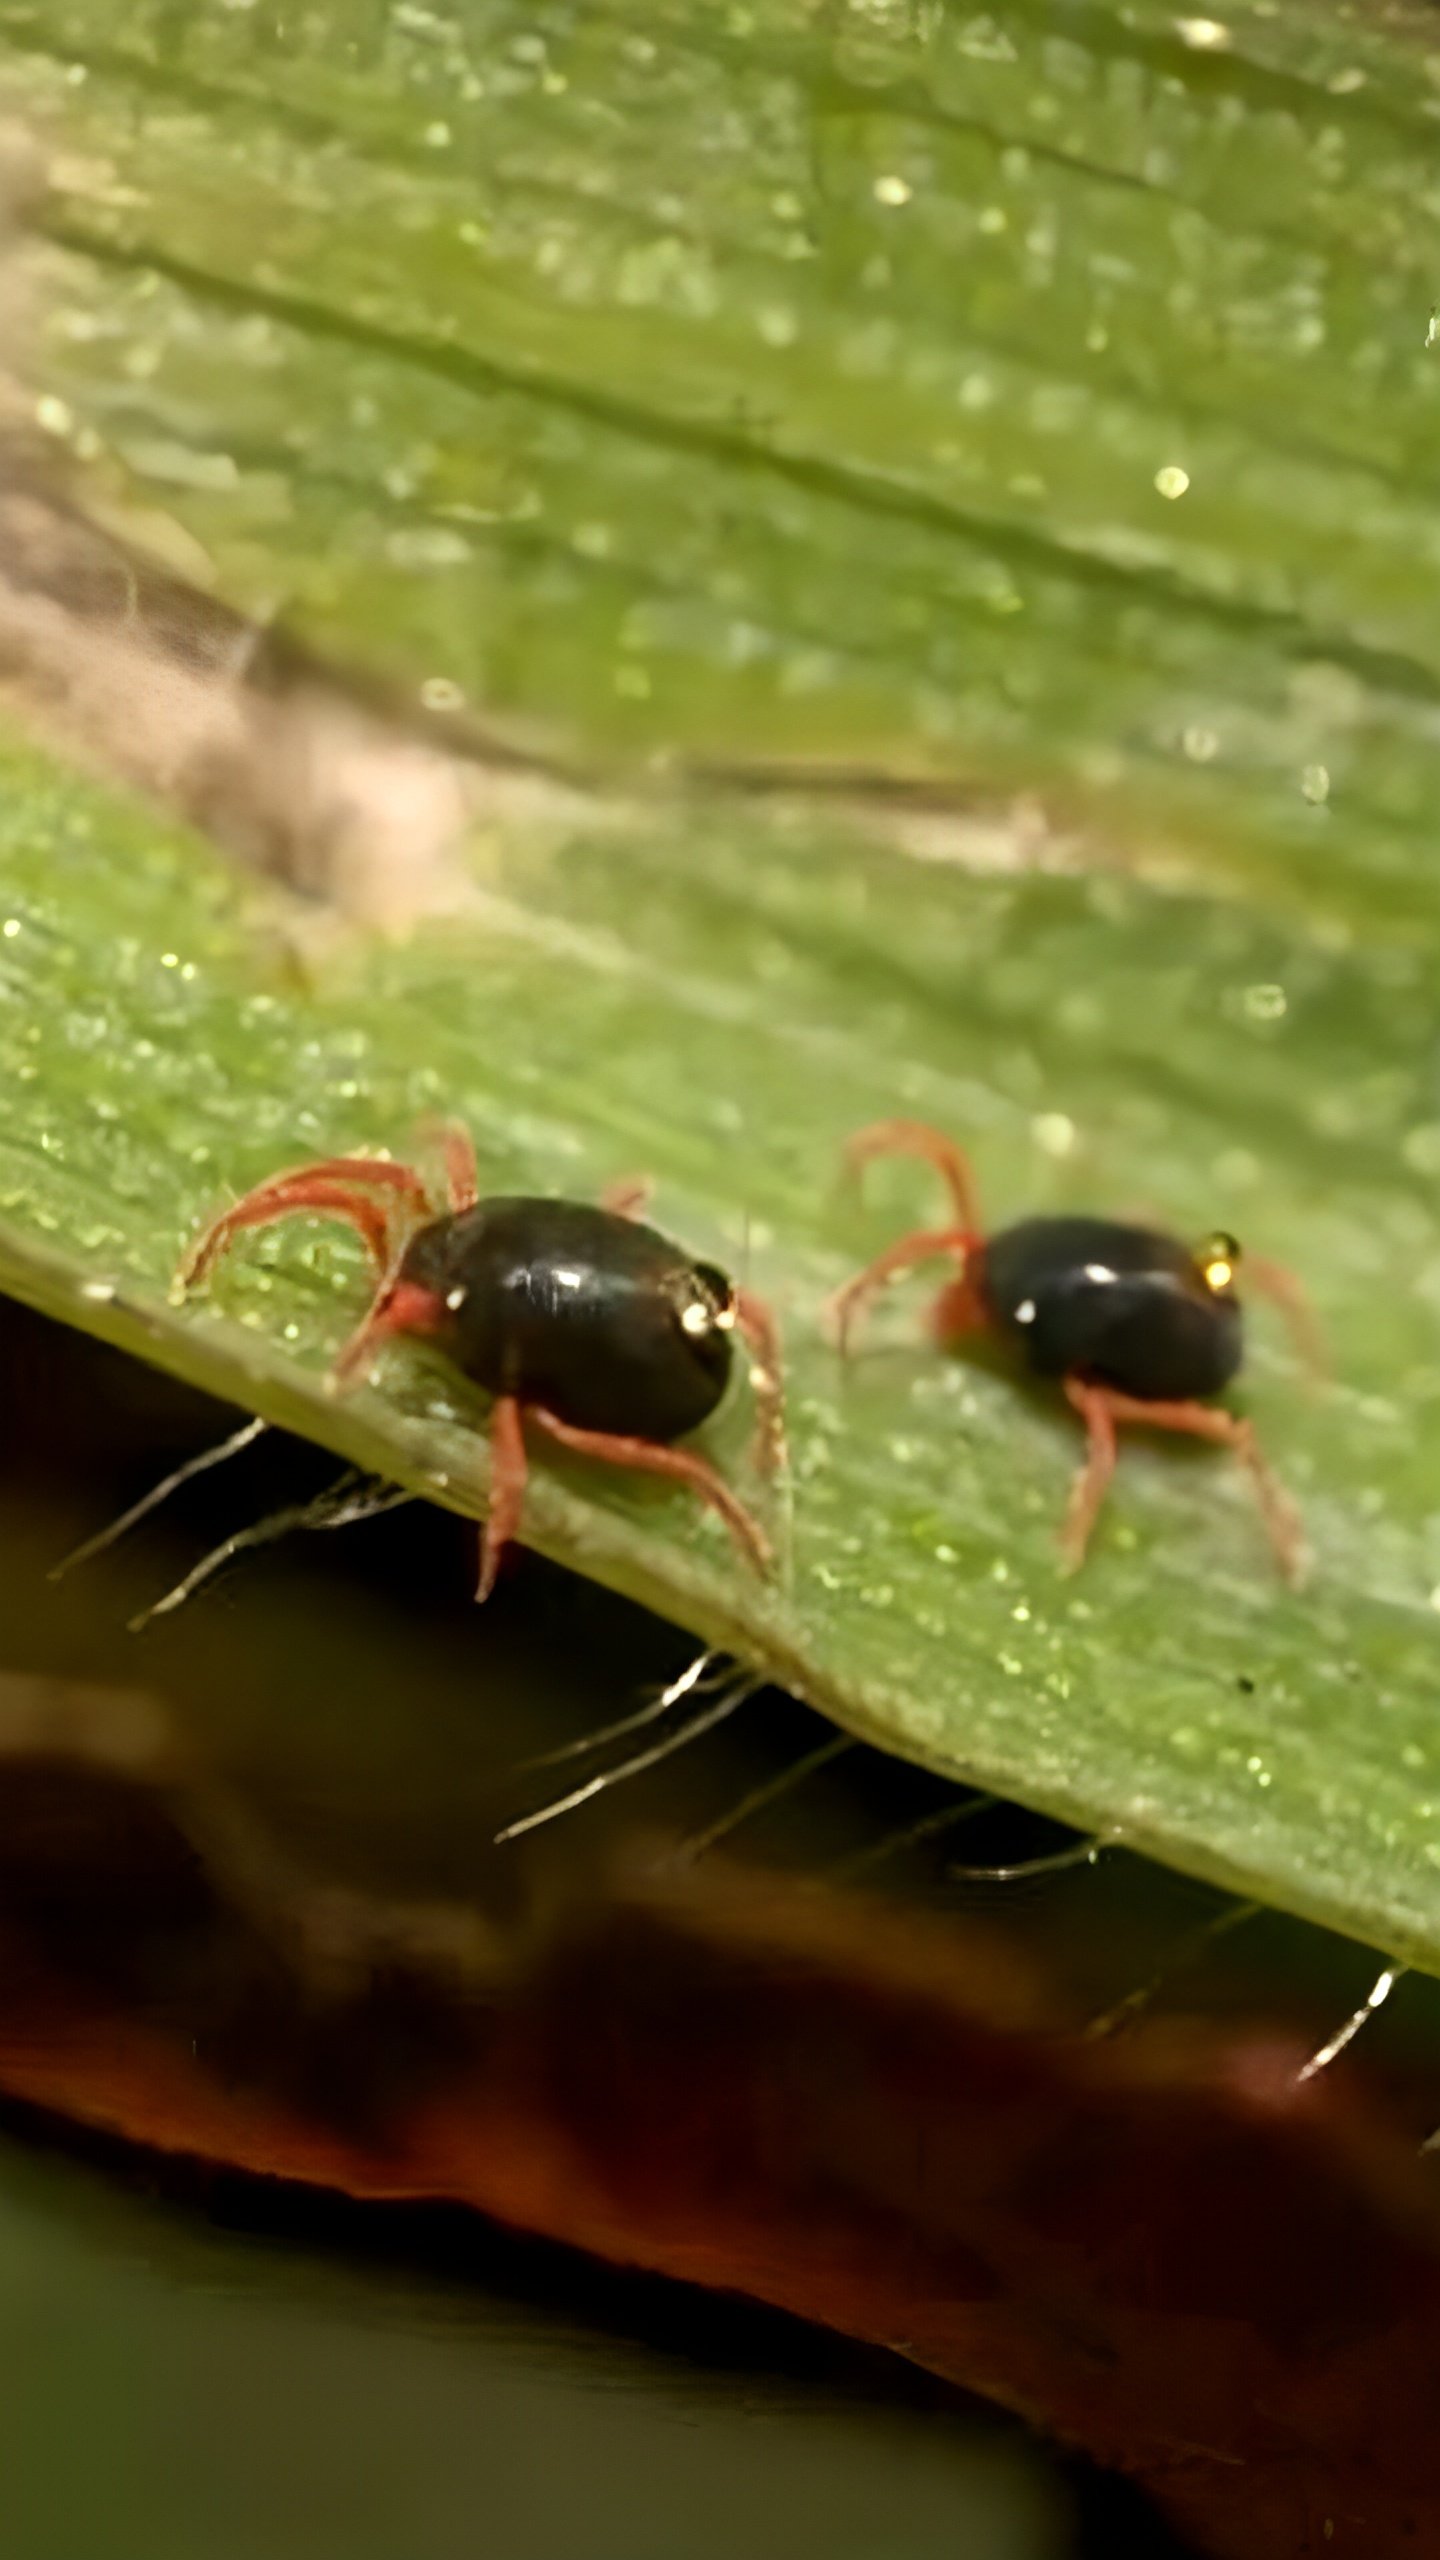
{"points": [[577, 1318], [1136, 1327]]}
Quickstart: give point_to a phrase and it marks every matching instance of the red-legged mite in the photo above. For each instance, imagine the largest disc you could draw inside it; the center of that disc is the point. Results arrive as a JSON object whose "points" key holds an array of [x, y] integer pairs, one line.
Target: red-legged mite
{"points": [[583, 1323], [1137, 1327]]}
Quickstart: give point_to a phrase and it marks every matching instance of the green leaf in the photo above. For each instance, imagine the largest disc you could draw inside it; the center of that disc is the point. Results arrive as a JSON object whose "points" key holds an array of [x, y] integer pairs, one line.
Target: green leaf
{"points": [[722, 1005], [803, 385], [961, 403]]}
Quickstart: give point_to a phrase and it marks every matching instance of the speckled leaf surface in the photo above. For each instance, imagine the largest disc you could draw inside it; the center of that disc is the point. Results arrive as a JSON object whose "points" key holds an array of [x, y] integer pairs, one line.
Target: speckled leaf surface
{"points": [[1034, 397], [1043, 392], [723, 1008]]}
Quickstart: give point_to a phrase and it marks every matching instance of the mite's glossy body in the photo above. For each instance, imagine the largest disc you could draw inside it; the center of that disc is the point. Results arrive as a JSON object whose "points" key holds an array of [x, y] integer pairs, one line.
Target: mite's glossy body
{"points": [[593, 1316], [579, 1320], [1137, 1327], [1123, 1305]]}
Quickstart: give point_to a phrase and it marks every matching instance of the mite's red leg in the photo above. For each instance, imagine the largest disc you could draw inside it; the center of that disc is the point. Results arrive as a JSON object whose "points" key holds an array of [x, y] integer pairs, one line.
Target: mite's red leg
{"points": [[336, 1186], [681, 1466], [1103, 1407], [762, 1336], [508, 1468], [378, 1171], [1087, 1493], [1288, 1292], [302, 1194], [915, 1138], [630, 1197], [451, 1141], [961, 1307], [842, 1309], [399, 1306], [462, 1173]]}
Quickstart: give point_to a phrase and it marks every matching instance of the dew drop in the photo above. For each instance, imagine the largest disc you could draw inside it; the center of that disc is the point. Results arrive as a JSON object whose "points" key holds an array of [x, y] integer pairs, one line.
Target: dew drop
{"points": [[1053, 1133]]}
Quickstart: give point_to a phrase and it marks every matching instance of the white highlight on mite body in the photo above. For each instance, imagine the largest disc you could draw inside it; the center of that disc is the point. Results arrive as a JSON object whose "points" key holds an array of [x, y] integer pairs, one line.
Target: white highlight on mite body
{"points": [[1100, 1273], [1025, 1312], [455, 1299]]}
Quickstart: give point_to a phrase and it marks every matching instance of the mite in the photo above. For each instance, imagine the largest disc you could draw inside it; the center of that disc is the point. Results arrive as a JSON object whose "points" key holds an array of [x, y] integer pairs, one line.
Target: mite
{"points": [[1135, 1326], [582, 1323]]}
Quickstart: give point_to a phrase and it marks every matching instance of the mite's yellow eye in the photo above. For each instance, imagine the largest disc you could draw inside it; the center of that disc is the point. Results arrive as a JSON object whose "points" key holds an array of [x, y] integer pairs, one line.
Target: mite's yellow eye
{"points": [[1218, 1260]]}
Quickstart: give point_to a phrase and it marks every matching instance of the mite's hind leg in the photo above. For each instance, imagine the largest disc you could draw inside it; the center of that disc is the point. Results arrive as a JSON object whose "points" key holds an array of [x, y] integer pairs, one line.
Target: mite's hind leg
{"points": [[508, 1469], [761, 1336], [630, 1197], [1092, 1483], [679, 1466], [1101, 1408]]}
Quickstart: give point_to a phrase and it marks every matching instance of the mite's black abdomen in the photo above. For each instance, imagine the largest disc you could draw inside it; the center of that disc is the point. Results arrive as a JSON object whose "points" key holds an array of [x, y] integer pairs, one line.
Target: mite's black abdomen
{"points": [[592, 1315], [1114, 1303]]}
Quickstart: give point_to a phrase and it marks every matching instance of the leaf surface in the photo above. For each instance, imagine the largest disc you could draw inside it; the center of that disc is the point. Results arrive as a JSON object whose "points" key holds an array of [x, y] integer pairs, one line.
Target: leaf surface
{"points": [[976, 403]]}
